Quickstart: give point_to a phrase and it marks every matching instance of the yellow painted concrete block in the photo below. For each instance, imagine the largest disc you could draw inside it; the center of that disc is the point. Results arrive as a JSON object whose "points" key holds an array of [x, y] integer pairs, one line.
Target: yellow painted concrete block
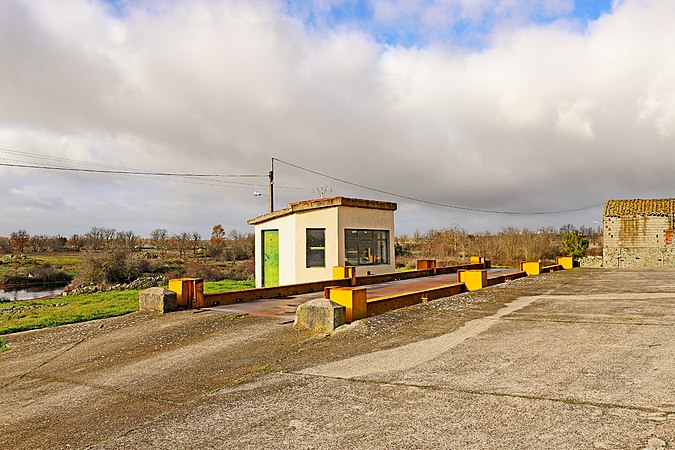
{"points": [[477, 260], [531, 268], [189, 291], [339, 272], [342, 272], [353, 299], [473, 279], [567, 262], [426, 264]]}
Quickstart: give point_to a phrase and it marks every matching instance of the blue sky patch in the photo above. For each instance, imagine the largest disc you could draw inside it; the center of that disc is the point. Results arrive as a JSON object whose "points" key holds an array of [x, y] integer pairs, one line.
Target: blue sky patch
{"points": [[412, 32]]}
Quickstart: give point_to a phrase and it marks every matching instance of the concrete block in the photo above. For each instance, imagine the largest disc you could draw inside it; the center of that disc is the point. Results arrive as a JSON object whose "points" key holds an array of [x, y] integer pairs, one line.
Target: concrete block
{"points": [[157, 299], [567, 262], [473, 279], [342, 272], [320, 316], [189, 292], [531, 268]]}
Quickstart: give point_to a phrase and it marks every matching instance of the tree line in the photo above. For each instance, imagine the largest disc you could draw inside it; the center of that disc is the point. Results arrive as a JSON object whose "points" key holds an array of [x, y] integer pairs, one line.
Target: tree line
{"points": [[508, 246], [234, 246]]}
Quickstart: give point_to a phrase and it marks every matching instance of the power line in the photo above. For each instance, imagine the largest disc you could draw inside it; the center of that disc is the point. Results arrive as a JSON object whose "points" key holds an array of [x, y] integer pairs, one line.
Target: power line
{"points": [[128, 172], [428, 202]]}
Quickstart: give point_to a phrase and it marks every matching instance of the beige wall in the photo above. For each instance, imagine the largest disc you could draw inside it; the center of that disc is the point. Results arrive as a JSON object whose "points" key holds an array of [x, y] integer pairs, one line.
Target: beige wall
{"points": [[370, 219], [320, 218]]}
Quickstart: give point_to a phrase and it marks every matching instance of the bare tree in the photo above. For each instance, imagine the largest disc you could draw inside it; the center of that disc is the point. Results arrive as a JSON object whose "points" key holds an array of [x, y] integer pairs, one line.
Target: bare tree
{"points": [[109, 236], [196, 241], [19, 239], [159, 237], [180, 242], [5, 245], [127, 239], [94, 238], [38, 243], [76, 242]]}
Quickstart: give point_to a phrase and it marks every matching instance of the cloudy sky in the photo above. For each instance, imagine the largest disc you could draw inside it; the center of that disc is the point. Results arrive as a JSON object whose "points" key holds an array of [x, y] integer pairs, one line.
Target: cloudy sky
{"points": [[503, 105]]}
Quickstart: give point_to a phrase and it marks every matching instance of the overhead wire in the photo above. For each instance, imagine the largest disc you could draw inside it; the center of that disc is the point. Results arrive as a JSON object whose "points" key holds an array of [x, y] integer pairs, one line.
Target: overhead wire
{"points": [[433, 203], [206, 179]]}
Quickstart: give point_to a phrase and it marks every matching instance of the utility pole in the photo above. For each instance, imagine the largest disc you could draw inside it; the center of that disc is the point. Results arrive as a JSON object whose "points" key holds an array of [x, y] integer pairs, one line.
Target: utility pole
{"points": [[271, 175]]}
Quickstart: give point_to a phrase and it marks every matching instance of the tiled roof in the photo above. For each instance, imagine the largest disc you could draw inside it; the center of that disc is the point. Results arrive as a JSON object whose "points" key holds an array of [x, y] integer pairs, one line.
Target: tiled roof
{"points": [[321, 203], [640, 207]]}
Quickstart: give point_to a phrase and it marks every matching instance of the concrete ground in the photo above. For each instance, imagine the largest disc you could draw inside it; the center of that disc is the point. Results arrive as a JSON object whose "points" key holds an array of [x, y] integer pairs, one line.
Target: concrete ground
{"points": [[575, 359]]}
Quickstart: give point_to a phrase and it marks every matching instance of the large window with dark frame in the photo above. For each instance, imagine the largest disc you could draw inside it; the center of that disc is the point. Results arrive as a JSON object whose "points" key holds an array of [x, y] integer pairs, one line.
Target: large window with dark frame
{"points": [[366, 247], [316, 247]]}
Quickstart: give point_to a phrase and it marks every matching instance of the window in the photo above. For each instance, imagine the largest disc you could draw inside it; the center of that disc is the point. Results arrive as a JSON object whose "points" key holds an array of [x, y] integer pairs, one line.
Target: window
{"points": [[316, 247], [366, 247]]}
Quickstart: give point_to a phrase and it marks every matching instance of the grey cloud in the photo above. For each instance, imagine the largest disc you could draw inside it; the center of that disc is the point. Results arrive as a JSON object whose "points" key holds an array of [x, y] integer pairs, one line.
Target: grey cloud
{"points": [[546, 118]]}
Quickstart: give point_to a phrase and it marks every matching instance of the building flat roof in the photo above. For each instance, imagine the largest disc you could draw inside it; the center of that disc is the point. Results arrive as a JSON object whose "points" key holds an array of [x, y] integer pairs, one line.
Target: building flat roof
{"points": [[640, 207], [320, 203]]}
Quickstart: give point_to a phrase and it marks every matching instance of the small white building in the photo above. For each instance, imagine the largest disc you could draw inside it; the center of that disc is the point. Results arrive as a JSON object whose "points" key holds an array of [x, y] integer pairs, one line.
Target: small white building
{"points": [[303, 242]]}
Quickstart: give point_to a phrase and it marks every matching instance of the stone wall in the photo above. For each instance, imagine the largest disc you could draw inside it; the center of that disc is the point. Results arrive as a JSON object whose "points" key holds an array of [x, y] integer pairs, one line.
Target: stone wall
{"points": [[638, 257], [590, 262]]}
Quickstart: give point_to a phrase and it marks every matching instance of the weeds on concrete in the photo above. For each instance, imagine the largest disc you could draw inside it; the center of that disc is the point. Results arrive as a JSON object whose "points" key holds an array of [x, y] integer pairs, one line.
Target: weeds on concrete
{"points": [[3, 346]]}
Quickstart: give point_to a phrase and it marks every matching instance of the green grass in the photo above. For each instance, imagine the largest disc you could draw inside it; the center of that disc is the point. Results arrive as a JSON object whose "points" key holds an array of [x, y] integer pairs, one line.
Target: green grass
{"points": [[3, 346], [80, 308], [77, 308], [227, 285], [69, 263]]}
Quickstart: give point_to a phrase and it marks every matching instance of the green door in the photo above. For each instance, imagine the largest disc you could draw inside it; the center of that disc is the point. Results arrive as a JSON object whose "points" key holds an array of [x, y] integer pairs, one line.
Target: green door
{"points": [[270, 251]]}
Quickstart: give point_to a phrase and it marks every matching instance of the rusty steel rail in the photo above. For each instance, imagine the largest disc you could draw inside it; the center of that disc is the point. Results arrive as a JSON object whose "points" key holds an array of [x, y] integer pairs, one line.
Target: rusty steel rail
{"points": [[397, 276], [381, 305], [498, 279], [247, 295]]}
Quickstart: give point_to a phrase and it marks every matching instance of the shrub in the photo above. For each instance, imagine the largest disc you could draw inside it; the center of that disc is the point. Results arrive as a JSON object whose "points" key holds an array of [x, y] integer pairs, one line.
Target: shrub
{"points": [[201, 270], [108, 268], [574, 245], [241, 270], [48, 274]]}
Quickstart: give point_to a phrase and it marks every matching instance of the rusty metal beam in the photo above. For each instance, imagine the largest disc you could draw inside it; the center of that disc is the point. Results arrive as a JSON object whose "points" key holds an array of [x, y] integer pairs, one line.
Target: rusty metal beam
{"points": [[381, 305], [247, 295]]}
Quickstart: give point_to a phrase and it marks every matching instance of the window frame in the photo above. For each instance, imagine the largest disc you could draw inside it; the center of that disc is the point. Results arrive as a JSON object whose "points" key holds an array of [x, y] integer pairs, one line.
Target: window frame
{"points": [[309, 249], [376, 246]]}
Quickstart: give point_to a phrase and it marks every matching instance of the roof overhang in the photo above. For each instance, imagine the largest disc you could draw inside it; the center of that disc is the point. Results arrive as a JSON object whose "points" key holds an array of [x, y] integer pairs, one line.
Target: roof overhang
{"points": [[321, 203]]}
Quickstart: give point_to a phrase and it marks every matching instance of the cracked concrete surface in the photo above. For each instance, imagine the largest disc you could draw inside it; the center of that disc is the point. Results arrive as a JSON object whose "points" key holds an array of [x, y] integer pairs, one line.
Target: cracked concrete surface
{"points": [[576, 359]]}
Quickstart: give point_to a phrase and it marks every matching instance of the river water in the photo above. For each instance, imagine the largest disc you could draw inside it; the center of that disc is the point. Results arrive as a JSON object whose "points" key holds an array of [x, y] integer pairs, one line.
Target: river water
{"points": [[29, 292]]}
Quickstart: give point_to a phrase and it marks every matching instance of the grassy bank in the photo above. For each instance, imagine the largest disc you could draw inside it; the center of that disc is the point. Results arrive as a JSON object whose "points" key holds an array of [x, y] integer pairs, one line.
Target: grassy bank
{"points": [[32, 314], [22, 266]]}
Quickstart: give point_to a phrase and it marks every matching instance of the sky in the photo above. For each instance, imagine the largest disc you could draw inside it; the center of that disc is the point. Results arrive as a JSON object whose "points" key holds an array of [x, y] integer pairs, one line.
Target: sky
{"points": [[514, 106]]}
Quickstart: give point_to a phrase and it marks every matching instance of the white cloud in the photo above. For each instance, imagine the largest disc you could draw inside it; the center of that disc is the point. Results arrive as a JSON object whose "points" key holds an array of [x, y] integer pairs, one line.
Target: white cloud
{"points": [[658, 104], [574, 119], [222, 86]]}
